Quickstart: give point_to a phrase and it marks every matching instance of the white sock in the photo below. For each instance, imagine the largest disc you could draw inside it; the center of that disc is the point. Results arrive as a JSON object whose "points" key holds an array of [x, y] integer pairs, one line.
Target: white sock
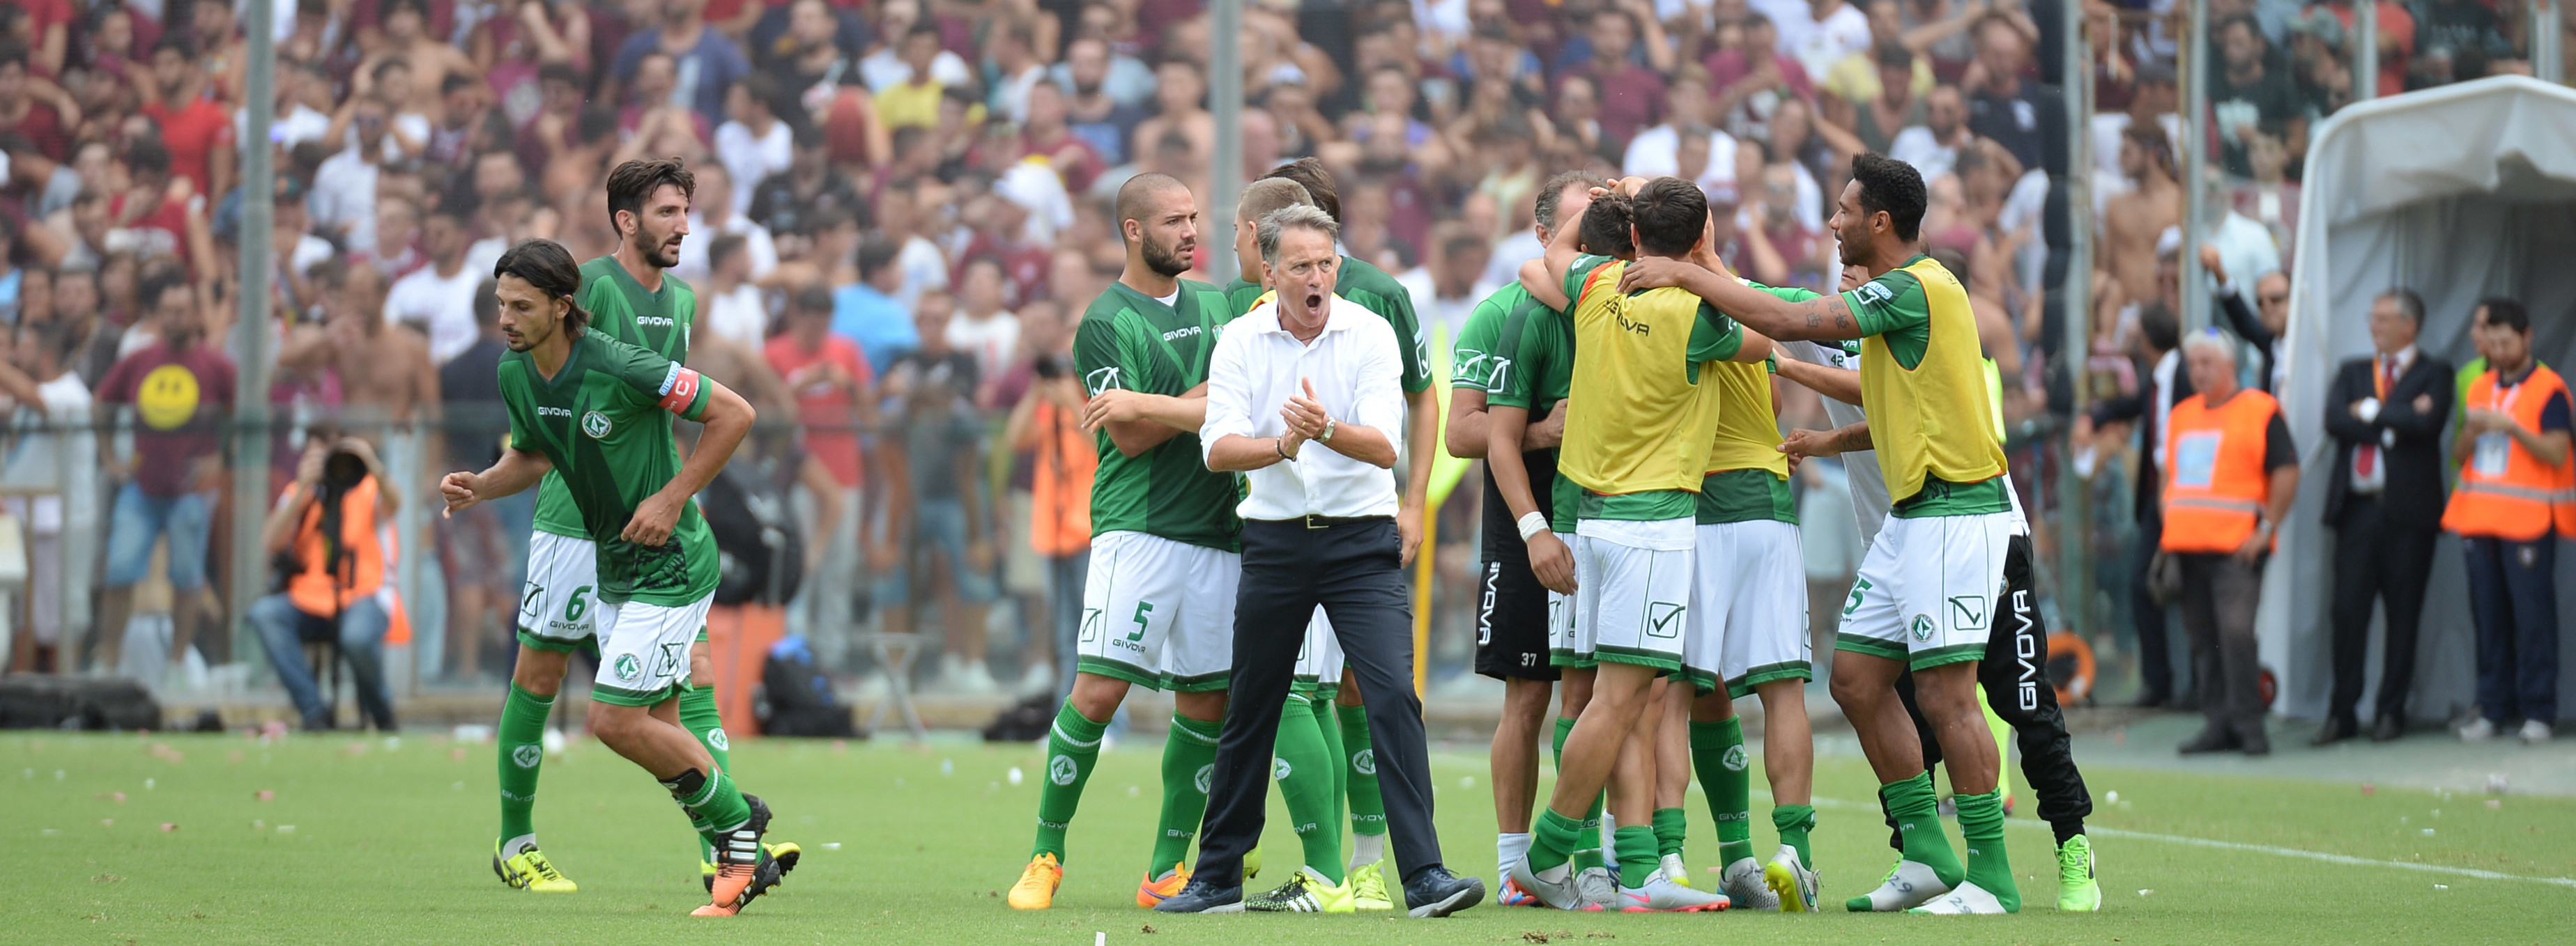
{"points": [[1609, 836], [1508, 850], [1367, 849]]}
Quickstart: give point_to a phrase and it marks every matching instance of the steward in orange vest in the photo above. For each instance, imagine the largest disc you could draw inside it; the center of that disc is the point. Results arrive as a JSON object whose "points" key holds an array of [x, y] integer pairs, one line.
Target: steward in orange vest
{"points": [[2516, 496], [2230, 475]]}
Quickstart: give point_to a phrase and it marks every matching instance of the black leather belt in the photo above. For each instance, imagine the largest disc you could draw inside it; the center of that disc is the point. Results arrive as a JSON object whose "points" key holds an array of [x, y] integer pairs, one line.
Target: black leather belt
{"points": [[1330, 522]]}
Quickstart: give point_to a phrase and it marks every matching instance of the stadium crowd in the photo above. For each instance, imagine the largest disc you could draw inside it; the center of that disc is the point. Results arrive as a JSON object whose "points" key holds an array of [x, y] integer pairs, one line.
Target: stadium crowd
{"points": [[902, 210]]}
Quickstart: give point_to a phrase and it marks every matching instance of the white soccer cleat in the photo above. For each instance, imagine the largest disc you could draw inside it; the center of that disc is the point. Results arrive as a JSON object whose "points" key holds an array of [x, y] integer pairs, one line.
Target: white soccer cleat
{"points": [[1789, 878], [1660, 895], [1598, 887], [1742, 883], [1675, 870], [1968, 900], [1908, 886], [1554, 886]]}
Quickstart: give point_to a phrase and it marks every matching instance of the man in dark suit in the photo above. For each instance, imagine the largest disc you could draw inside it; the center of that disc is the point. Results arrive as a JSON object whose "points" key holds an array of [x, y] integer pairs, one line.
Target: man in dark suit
{"points": [[2384, 501], [2164, 383]]}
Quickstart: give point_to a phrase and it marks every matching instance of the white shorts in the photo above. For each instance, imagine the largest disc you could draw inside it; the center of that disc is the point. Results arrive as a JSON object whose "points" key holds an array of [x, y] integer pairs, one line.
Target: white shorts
{"points": [[644, 650], [1632, 590], [1158, 612], [558, 610], [1566, 647], [1319, 660], [1926, 592], [1748, 608]]}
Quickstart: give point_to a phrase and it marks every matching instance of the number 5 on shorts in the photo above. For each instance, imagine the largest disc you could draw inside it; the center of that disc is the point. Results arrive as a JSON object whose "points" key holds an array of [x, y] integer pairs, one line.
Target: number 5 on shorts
{"points": [[1860, 590], [1143, 608]]}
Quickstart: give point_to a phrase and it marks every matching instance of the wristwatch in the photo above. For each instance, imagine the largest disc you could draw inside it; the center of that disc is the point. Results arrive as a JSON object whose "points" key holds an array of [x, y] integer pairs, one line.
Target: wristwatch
{"points": [[1328, 431]]}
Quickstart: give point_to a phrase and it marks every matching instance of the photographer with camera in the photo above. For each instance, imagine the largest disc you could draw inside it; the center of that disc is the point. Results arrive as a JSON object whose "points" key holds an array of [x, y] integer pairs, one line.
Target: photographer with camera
{"points": [[326, 539]]}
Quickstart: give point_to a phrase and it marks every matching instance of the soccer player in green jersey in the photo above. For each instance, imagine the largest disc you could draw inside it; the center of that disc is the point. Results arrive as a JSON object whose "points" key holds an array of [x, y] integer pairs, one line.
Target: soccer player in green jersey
{"points": [[1514, 358], [593, 409], [1158, 605], [632, 298]]}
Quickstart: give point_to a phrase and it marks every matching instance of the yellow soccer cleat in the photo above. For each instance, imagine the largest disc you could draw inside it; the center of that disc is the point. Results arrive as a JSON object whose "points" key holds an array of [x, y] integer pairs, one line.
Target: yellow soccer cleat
{"points": [[1252, 862], [1036, 889], [1367, 884], [529, 870], [1152, 890]]}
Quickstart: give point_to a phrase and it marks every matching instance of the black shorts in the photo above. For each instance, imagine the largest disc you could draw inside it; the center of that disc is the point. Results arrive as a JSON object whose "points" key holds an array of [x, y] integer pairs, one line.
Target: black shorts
{"points": [[1511, 606]]}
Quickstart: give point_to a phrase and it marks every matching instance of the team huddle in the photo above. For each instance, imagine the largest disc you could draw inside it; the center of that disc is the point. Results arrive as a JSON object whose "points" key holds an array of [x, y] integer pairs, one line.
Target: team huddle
{"points": [[1641, 555]]}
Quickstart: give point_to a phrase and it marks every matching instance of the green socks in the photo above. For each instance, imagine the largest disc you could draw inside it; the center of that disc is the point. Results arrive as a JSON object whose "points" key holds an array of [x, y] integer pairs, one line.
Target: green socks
{"points": [[698, 715], [1669, 829], [1555, 838], [1793, 822], [522, 735], [1981, 822], [1072, 747], [1635, 844], [1332, 732], [1189, 763], [1718, 757], [1305, 773], [710, 799], [1368, 811], [1588, 854], [1918, 826]]}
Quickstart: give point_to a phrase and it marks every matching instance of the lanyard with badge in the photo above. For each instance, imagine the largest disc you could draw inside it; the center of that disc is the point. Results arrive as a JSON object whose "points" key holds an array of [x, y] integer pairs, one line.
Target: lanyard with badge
{"points": [[2494, 448]]}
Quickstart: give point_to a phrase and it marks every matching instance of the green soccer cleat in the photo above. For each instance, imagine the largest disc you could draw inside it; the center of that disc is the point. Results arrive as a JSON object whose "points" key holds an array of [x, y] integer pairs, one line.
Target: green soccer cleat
{"points": [[529, 870], [1367, 884], [2077, 891]]}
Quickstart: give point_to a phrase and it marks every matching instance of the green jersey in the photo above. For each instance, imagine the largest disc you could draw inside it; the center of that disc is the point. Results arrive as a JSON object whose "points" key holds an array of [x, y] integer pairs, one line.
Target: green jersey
{"points": [[620, 308], [1130, 341], [1528, 364], [602, 420], [1377, 292]]}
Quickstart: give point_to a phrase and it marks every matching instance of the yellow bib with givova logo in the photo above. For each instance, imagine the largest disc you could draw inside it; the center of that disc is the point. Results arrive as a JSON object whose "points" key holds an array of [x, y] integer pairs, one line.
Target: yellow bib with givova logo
{"points": [[1640, 416], [1935, 418]]}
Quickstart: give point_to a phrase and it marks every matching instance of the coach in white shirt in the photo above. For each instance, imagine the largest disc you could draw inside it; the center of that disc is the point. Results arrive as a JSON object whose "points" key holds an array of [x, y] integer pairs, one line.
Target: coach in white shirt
{"points": [[1304, 399]]}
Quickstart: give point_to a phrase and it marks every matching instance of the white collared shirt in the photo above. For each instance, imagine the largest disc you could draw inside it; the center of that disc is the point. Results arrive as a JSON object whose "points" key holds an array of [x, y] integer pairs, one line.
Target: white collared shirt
{"points": [[1355, 366]]}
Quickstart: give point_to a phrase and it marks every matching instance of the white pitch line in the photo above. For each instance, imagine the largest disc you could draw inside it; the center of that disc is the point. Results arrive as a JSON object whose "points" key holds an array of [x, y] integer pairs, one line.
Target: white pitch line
{"points": [[2344, 859]]}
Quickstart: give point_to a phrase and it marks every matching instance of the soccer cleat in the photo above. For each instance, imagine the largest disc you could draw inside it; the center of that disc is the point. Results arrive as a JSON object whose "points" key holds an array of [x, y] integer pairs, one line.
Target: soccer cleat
{"points": [[775, 861], [1305, 892], [2077, 892], [1152, 890], [739, 859], [1675, 870], [1743, 883], [1907, 886], [707, 876], [1036, 889], [1598, 887], [1554, 887], [1791, 881], [1659, 894], [1968, 900], [1368, 887], [529, 870], [1513, 896], [1252, 862]]}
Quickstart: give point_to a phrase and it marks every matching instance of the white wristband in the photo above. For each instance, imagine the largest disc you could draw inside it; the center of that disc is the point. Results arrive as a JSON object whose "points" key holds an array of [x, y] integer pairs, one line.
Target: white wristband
{"points": [[1532, 524]]}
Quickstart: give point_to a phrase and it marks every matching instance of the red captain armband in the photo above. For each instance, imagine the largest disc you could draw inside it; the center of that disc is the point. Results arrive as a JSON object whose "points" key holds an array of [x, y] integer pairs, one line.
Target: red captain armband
{"points": [[679, 390]]}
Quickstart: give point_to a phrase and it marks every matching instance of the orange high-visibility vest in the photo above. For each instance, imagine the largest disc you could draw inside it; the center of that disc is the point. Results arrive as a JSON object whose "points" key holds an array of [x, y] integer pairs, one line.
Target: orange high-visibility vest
{"points": [[2215, 484], [1060, 487], [362, 557], [2508, 493]]}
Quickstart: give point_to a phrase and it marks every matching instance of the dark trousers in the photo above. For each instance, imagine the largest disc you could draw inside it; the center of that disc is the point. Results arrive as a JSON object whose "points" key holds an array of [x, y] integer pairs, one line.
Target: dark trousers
{"points": [[1355, 571], [2377, 562], [2219, 593], [2515, 604], [2155, 651], [2014, 674]]}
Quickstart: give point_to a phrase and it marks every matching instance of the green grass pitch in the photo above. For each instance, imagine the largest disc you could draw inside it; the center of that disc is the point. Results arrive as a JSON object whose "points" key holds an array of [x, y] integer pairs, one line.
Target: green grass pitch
{"points": [[914, 845]]}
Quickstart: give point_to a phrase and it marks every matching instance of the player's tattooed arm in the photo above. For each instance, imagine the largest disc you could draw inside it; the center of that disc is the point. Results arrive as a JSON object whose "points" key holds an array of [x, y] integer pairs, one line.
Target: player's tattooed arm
{"points": [[1841, 384], [1816, 318], [1801, 444]]}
